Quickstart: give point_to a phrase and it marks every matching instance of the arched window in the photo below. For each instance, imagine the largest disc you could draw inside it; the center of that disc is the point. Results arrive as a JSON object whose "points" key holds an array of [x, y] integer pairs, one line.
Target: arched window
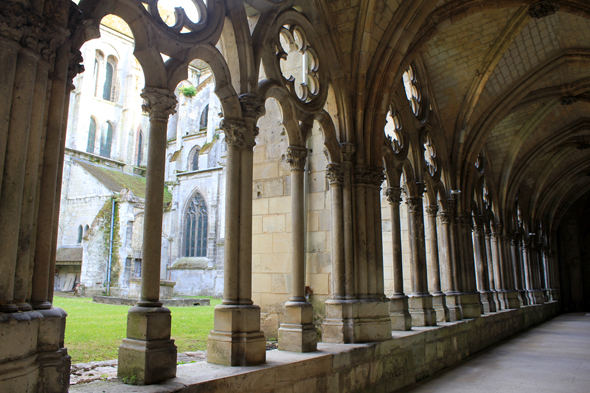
{"points": [[86, 228], [204, 117], [195, 228], [106, 140], [193, 159], [108, 92], [98, 62], [80, 234], [91, 136], [140, 148], [412, 89]]}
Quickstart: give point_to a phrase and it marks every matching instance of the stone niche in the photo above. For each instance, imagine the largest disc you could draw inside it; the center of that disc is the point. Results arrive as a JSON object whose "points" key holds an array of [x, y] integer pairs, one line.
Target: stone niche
{"points": [[166, 288], [194, 276]]}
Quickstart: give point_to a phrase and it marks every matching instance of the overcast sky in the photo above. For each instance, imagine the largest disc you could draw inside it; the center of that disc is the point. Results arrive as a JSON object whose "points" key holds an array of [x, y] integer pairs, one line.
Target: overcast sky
{"points": [[188, 5]]}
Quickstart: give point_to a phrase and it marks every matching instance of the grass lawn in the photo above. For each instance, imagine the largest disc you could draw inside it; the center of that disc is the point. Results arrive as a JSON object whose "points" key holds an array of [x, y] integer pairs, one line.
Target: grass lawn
{"points": [[94, 331]]}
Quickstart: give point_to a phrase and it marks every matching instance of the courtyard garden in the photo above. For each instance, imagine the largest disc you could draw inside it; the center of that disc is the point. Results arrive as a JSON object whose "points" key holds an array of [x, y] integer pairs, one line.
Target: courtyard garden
{"points": [[94, 331]]}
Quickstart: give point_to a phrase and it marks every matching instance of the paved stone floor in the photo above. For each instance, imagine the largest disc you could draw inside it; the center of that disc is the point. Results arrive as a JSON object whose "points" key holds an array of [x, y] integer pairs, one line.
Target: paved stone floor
{"points": [[553, 357]]}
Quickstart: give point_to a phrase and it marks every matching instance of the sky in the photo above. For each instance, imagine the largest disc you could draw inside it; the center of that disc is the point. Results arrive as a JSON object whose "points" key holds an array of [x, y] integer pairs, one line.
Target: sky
{"points": [[188, 5]]}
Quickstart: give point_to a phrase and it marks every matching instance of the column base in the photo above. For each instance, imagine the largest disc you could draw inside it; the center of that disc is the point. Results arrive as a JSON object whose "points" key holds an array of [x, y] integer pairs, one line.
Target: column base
{"points": [[554, 295], [439, 303], [356, 321], [421, 310], [398, 313], [297, 332], [147, 355], [471, 305], [511, 300], [523, 297], [497, 302], [454, 305], [487, 299], [538, 297], [236, 338]]}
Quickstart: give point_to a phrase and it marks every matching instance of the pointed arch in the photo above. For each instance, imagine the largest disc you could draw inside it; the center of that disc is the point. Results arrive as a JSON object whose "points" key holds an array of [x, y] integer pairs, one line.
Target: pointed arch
{"points": [[195, 227]]}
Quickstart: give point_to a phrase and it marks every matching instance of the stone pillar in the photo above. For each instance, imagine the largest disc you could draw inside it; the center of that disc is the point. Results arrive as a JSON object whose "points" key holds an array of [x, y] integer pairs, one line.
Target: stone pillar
{"points": [[420, 301], [335, 175], [471, 305], [398, 301], [498, 277], [546, 269], [446, 253], [438, 297], [148, 354], [517, 271], [510, 295], [297, 331], [537, 293], [481, 261], [236, 338], [491, 270]]}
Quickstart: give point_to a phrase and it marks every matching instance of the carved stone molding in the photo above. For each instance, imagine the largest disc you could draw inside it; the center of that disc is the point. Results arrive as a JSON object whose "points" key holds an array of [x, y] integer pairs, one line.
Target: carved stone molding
{"points": [[75, 66], [568, 100], [543, 8], [478, 231], [431, 210], [335, 173], [252, 106], [159, 103], [296, 157], [348, 150], [394, 194], [488, 233], [414, 205], [235, 132], [446, 217]]}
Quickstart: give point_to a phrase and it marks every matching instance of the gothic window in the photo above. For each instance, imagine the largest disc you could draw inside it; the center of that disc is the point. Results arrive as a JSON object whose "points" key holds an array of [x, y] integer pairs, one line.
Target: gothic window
{"points": [[80, 234], [193, 163], [86, 228], [430, 155], [412, 89], [486, 195], [98, 62], [204, 118], [393, 131], [140, 148], [195, 228], [91, 136], [137, 268], [108, 92], [106, 139]]}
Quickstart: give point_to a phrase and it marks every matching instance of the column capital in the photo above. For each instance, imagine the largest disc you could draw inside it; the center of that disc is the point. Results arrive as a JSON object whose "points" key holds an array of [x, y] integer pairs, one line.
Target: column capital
{"points": [[335, 173], [477, 230], [394, 194], [235, 132], [431, 210], [369, 176], [296, 157], [464, 218], [414, 204], [158, 103], [348, 150], [252, 105], [446, 217], [75, 67]]}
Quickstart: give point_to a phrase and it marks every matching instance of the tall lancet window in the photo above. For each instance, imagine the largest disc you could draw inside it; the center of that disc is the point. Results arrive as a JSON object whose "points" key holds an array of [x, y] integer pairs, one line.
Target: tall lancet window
{"points": [[195, 227], [91, 136], [106, 140]]}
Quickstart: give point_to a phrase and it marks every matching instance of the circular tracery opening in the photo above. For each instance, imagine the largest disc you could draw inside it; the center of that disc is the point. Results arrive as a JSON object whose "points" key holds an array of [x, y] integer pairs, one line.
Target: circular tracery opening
{"points": [[430, 155], [412, 89], [393, 128], [299, 62]]}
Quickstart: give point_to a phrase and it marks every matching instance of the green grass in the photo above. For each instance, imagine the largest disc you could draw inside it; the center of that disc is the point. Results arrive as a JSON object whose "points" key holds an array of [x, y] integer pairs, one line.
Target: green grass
{"points": [[94, 331]]}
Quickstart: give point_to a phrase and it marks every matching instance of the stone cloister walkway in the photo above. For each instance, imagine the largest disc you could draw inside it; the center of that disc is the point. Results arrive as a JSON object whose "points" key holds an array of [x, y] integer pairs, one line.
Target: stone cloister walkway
{"points": [[552, 357]]}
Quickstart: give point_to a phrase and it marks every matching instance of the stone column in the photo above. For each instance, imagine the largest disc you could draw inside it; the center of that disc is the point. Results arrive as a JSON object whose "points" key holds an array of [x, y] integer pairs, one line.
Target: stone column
{"points": [[471, 305], [335, 175], [517, 271], [537, 293], [546, 269], [297, 332], [420, 301], [398, 301], [481, 261], [527, 272], [236, 338], [438, 297], [446, 253], [510, 295], [148, 354], [491, 270]]}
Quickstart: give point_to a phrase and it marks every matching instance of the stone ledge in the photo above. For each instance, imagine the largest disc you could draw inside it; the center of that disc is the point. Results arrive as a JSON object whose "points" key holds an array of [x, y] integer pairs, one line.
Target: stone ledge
{"points": [[184, 302], [379, 367]]}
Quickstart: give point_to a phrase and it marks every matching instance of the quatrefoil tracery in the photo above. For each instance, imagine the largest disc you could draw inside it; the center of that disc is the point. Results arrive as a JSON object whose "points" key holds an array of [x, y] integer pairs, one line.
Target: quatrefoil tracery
{"points": [[183, 24], [393, 131], [430, 155]]}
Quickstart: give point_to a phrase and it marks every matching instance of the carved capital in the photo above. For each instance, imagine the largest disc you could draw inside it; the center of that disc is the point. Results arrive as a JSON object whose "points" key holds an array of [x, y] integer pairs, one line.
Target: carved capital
{"points": [[252, 105], [394, 194], [159, 103], [543, 8], [431, 210], [488, 233], [335, 173], [446, 217], [75, 66], [235, 132], [296, 157], [362, 175], [348, 150], [464, 218], [414, 204], [477, 231]]}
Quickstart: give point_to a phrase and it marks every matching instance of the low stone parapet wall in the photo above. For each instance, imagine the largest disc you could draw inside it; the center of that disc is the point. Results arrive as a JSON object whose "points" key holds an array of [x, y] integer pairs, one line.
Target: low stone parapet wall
{"points": [[166, 302], [335, 368]]}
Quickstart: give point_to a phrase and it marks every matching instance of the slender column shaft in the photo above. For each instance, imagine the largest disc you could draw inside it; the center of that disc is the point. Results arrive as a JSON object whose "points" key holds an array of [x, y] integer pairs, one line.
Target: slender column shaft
{"points": [[394, 198], [546, 269], [245, 261], [508, 271], [335, 175], [454, 247], [14, 171], [416, 224], [29, 200], [502, 263], [491, 277], [433, 257], [446, 242], [527, 268], [361, 241], [516, 265], [496, 259], [160, 104], [481, 260], [232, 223], [48, 184], [347, 212], [370, 241], [379, 275], [297, 157]]}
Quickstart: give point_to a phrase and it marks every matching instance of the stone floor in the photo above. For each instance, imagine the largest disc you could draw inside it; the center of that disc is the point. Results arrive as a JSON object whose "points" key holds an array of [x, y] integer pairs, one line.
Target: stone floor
{"points": [[552, 357]]}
